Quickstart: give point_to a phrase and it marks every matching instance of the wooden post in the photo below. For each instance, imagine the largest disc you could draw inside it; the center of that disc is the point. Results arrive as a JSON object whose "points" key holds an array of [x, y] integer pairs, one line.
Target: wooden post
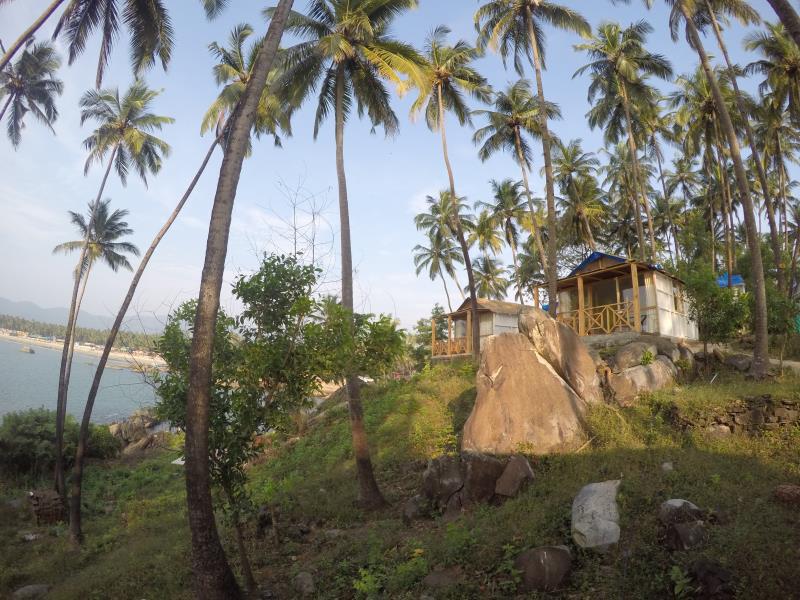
{"points": [[536, 296], [449, 334], [581, 307], [433, 336], [655, 295], [619, 297], [637, 313], [469, 332]]}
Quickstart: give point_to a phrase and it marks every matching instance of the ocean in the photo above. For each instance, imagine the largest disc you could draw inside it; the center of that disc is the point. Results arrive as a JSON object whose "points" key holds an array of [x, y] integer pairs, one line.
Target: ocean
{"points": [[31, 381]]}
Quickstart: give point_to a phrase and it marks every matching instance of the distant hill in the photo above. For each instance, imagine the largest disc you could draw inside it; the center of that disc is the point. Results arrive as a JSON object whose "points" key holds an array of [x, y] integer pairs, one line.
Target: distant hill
{"points": [[145, 323]]}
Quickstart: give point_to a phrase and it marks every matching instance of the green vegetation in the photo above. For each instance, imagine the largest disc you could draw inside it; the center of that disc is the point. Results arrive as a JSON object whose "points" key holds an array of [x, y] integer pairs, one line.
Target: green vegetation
{"points": [[83, 335], [137, 538]]}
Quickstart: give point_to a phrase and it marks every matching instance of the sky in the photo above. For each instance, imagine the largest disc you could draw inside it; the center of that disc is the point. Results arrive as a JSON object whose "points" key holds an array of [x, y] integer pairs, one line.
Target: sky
{"points": [[388, 178]]}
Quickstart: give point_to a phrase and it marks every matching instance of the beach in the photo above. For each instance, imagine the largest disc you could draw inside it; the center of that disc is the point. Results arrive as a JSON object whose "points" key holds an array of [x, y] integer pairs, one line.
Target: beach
{"points": [[135, 361]]}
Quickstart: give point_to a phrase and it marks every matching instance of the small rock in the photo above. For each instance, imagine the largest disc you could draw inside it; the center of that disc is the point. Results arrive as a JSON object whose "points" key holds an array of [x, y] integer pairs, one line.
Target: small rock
{"points": [[516, 475], [446, 578], [454, 508], [719, 430], [740, 362], [31, 592], [304, 583], [679, 511], [333, 533], [711, 579], [595, 516], [545, 568], [667, 467], [416, 507], [29, 537], [788, 493], [481, 473], [685, 536]]}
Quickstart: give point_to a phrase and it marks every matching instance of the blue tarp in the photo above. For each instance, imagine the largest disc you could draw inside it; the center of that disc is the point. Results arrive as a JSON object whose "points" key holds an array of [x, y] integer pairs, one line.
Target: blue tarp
{"points": [[736, 280]]}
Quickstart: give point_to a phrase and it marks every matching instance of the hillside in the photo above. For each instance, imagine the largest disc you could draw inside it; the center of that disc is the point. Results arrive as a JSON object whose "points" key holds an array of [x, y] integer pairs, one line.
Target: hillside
{"points": [[137, 537]]}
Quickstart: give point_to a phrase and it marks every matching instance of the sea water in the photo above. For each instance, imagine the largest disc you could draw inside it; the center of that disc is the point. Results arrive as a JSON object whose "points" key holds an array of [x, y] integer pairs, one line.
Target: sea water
{"points": [[31, 381]]}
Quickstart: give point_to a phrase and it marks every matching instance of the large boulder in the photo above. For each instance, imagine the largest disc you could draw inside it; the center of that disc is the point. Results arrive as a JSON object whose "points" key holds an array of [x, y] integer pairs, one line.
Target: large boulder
{"points": [[595, 516], [627, 385], [481, 473], [517, 474], [522, 402], [442, 479], [666, 347], [631, 355], [563, 349]]}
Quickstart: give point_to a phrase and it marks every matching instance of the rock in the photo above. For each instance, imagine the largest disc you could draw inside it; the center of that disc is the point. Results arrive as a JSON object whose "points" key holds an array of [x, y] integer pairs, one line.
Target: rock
{"points": [[545, 568], [685, 536], [304, 583], [630, 355], [443, 579], [718, 355], [711, 579], [630, 383], [740, 362], [481, 473], [135, 427], [560, 346], [416, 507], [517, 474], [667, 467], [666, 347], [686, 354], [522, 401], [719, 430], [27, 536], [679, 511], [442, 478], [115, 429], [788, 493], [31, 592], [595, 516], [454, 508]]}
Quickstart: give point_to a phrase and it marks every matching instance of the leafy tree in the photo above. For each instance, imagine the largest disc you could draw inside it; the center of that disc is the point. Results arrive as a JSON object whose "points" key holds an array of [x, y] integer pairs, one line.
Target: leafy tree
{"points": [[30, 86], [719, 312], [346, 55], [490, 278], [421, 350]]}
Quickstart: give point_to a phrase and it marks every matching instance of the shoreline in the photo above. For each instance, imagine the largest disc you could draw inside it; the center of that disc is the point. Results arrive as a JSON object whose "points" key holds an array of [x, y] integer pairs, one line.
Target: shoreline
{"points": [[116, 359]]}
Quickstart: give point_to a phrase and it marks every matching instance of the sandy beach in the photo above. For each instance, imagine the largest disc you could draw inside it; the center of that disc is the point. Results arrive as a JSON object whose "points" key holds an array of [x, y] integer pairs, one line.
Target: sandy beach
{"points": [[120, 360]]}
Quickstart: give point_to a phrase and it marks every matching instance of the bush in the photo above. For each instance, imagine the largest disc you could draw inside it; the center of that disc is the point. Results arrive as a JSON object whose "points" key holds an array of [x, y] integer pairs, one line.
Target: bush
{"points": [[647, 358], [27, 442]]}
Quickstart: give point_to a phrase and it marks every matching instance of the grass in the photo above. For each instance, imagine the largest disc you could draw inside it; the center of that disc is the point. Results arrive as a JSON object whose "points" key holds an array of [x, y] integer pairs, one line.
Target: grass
{"points": [[137, 536]]}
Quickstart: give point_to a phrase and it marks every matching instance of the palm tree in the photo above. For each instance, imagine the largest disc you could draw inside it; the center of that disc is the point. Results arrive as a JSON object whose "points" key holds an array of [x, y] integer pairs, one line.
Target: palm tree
{"points": [[445, 76], [148, 24], [622, 189], [515, 27], [788, 16], [30, 86], [760, 350], [489, 278], [439, 258], [515, 114], [233, 71], [619, 69], [485, 234], [123, 139], [746, 15], [212, 575], [583, 210], [347, 54], [508, 208]]}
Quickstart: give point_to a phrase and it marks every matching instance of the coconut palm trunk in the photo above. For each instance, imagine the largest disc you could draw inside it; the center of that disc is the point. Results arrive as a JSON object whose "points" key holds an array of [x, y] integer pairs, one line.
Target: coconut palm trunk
{"points": [[446, 292], [459, 231], [368, 491], [673, 230], [788, 16], [75, 529], [637, 175], [78, 304], [29, 32], [66, 356], [213, 577], [550, 192], [751, 141], [537, 236], [760, 350]]}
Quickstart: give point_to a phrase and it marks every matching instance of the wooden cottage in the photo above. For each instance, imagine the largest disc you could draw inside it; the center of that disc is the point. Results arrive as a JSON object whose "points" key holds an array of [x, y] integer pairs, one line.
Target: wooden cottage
{"points": [[597, 298], [495, 317]]}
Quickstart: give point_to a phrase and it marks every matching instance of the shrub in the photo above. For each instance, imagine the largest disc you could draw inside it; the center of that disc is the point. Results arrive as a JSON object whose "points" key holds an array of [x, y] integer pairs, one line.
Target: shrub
{"points": [[647, 358], [27, 442]]}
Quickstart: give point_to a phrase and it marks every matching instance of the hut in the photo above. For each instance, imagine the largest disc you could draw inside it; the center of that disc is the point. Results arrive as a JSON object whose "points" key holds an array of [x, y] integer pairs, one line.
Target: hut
{"points": [[495, 317]]}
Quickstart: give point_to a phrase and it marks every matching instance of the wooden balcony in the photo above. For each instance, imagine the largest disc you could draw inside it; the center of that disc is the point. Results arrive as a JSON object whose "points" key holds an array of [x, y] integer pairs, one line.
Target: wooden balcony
{"points": [[452, 346], [598, 320]]}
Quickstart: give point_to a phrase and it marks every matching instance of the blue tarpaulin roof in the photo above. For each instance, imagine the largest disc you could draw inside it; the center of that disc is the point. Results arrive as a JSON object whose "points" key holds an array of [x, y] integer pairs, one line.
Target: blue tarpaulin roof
{"points": [[594, 256], [736, 280]]}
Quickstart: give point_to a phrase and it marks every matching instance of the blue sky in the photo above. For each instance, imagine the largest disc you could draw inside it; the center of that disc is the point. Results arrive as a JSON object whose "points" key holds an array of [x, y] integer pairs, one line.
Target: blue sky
{"points": [[388, 179]]}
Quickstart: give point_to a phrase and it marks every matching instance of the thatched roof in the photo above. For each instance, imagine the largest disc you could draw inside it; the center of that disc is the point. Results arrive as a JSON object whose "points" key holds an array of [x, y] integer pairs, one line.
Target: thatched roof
{"points": [[498, 307]]}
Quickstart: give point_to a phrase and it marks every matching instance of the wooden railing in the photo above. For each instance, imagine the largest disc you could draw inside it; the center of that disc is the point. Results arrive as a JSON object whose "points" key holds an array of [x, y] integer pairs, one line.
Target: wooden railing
{"points": [[452, 345], [597, 320]]}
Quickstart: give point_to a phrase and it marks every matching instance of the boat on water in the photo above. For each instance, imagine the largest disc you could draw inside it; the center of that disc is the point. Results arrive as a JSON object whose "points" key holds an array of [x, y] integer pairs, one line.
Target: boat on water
{"points": [[27, 350]]}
